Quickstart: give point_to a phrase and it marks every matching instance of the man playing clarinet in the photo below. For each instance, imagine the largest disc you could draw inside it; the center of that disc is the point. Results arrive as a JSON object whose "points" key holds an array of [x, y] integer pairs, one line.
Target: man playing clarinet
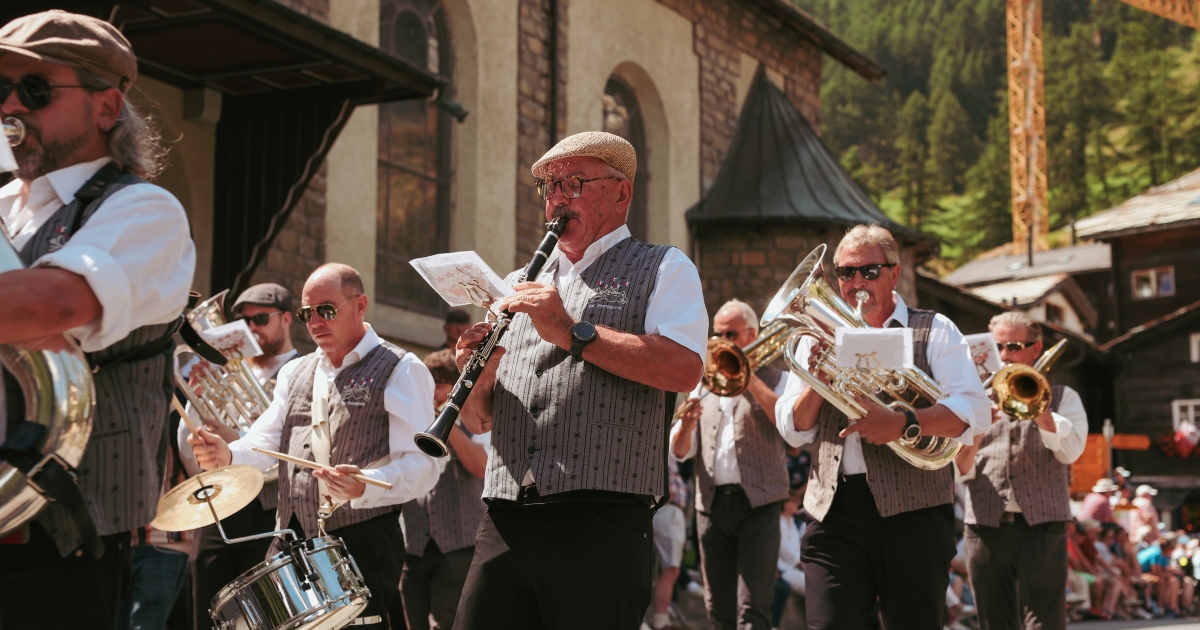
{"points": [[578, 407]]}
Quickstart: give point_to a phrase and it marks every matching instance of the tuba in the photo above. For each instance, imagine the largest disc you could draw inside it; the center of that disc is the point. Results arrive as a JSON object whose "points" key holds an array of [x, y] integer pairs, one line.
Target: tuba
{"points": [[1022, 391], [56, 385], [230, 393], [811, 306]]}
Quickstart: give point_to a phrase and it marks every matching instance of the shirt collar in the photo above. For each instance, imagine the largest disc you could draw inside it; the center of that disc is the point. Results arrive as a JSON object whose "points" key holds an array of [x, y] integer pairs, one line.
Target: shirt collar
{"points": [[365, 345], [900, 314], [65, 181], [595, 250]]}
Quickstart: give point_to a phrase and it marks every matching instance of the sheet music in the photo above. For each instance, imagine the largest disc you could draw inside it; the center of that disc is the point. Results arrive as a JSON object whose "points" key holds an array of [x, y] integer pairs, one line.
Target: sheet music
{"points": [[984, 354], [8, 161], [874, 348], [234, 337], [462, 278]]}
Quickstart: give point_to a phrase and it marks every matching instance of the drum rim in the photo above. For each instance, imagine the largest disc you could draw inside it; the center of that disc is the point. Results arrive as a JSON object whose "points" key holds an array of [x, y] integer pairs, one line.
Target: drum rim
{"points": [[270, 565]]}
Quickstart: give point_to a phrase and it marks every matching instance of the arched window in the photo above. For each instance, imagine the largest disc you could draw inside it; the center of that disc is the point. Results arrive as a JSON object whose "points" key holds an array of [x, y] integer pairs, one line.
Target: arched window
{"points": [[414, 160], [623, 117]]}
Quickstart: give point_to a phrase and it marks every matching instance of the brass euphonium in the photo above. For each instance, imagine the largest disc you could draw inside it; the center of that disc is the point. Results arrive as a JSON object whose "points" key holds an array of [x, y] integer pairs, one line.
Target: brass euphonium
{"points": [[811, 305], [727, 368], [1022, 391]]}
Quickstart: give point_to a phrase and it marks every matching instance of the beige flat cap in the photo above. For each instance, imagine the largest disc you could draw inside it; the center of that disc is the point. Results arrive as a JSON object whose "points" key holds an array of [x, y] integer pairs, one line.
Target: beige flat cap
{"points": [[612, 149], [70, 39]]}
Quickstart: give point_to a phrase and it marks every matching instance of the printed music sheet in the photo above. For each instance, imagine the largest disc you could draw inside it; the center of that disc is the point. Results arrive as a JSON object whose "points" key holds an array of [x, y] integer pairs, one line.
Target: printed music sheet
{"points": [[8, 161], [984, 354], [874, 348], [232, 339], [462, 278]]}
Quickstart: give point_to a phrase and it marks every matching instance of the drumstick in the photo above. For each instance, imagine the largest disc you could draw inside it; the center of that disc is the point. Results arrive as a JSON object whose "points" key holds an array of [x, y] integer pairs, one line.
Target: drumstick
{"points": [[183, 415], [310, 464]]}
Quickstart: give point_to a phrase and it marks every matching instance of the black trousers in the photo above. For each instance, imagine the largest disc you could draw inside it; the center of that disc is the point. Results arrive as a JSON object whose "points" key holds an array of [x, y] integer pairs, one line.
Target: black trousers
{"points": [[218, 564], [40, 589], [739, 548], [432, 584], [855, 556], [559, 566], [377, 546], [1019, 573]]}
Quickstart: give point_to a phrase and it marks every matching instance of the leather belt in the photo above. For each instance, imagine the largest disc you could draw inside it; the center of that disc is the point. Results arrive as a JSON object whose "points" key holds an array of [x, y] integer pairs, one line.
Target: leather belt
{"points": [[529, 495], [732, 488]]}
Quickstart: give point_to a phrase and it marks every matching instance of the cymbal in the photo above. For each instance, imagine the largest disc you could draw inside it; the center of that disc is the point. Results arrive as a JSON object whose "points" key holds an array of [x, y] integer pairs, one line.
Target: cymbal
{"points": [[229, 489]]}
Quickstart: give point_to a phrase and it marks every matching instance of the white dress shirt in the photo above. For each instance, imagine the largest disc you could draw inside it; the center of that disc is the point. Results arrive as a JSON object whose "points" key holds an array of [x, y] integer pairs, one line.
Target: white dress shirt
{"points": [[408, 399], [950, 359], [725, 463], [187, 457], [1066, 441], [788, 565], [135, 253], [676, 308]]}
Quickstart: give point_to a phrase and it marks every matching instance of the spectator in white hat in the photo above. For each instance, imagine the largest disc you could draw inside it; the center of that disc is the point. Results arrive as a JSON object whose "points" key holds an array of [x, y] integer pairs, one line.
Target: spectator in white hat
{"points": [[1144, 512], [1096, 504]]}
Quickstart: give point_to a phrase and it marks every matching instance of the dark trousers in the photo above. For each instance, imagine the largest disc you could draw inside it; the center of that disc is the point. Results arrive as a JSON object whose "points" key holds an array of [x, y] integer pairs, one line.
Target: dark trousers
{"points": [[158, 577], [1019, 573], [40, 589], [739, 548], [559, 566], [432, 584], [218, 563], [855, 556], [377, 547]]}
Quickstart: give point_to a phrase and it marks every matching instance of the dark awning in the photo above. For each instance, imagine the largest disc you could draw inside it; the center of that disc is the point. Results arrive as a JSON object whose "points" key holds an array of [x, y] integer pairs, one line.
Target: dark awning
{"points": [[778, 170]]}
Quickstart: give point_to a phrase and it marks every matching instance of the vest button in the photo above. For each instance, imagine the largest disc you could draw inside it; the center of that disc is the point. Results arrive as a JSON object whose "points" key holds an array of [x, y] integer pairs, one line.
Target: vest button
{"points": [[531, 450], [538, 373], [534, 409]]}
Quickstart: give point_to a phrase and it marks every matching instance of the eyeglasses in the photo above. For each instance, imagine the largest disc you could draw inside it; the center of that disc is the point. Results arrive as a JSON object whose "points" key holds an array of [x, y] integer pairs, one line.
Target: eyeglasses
{"points": [[869, 272], [259, 320], [34, 92], [729, 334], [326, 311], [571, 187], [1014, 346]]}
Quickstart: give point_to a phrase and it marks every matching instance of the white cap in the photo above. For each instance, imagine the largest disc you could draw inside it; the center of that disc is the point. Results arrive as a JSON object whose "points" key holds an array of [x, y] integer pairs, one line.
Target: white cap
{"points": [[1145, 490]]}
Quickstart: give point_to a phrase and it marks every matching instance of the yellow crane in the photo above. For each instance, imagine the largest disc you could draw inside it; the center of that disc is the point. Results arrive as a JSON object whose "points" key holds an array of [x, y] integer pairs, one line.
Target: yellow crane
{"points": [[1027, 111]]}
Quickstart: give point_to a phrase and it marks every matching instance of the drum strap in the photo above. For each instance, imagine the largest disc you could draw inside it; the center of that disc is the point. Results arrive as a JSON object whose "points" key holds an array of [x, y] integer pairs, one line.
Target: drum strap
{"points": [[52, 477]]}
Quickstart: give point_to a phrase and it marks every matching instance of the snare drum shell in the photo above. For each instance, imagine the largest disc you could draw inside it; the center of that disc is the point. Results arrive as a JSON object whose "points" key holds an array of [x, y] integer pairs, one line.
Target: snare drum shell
{"points": [[273, 594]]}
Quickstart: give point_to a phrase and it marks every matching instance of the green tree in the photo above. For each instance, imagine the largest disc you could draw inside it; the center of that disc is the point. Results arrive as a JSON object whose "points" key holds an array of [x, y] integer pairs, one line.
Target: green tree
{"points": [[952, 146], [912, 124]]}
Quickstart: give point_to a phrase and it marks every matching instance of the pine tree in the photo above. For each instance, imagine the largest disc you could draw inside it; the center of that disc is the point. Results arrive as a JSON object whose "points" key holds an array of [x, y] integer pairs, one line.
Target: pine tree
{"points": [[952, 146], [914, 153]]}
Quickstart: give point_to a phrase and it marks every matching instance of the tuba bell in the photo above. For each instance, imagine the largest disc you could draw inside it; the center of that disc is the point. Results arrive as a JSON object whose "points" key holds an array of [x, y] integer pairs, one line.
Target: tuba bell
{"points": [[1022, 391], [812, 307]]}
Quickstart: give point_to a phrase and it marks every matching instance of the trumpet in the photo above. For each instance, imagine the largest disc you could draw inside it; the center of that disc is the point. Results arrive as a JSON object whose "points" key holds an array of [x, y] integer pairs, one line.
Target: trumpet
{"points": [[1022, 391], [432, 441], [808, 302], [728, 368], [14, 131]]}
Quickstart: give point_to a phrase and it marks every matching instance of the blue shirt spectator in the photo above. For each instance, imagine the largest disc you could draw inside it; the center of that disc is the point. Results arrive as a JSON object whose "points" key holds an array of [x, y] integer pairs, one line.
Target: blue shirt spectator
{"points": [[1152, 556]]}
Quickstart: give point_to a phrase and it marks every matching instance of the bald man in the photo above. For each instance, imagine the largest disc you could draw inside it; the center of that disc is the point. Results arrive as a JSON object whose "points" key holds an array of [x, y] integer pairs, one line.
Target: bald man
{"points": [[354, 404]]}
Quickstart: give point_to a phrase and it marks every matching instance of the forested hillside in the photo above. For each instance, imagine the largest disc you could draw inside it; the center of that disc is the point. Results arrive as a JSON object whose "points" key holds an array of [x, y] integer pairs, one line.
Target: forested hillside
{"points": [[930, 141]]}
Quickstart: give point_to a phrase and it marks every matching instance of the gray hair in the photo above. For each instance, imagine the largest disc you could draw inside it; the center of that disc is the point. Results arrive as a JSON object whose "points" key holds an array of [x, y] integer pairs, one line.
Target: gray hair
{"points": [[870, 235], [747, 311], [134, 142], [1021, 319]]}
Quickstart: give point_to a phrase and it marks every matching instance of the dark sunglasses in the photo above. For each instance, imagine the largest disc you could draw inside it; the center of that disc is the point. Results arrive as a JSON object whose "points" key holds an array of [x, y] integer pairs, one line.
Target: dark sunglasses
{"points": [[869, 272], [571, 187], [326, 311], [728, 334], [259, 320], [1014, 346], [34, 92]]}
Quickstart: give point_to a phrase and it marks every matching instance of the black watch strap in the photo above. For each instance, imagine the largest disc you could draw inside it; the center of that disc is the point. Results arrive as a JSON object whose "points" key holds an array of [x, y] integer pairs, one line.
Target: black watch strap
{"points": [[577, 347]]}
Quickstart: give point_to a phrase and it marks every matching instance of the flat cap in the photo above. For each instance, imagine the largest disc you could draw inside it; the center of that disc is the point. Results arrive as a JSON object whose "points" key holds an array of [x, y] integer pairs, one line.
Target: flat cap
{"points": [[612, 149], [71, 39], [268, 294]]}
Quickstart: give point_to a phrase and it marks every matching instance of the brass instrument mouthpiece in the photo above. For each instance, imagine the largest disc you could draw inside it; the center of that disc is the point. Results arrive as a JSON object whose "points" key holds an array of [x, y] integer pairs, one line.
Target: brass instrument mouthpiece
{"points": [[14, 131]]}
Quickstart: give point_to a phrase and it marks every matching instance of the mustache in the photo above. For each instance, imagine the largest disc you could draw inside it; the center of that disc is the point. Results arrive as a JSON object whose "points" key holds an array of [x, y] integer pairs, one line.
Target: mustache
{"points": [[562, 212]]}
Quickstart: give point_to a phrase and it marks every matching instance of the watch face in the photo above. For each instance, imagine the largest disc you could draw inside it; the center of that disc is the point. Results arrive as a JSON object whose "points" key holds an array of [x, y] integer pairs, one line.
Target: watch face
{"points": [[583, 331]]}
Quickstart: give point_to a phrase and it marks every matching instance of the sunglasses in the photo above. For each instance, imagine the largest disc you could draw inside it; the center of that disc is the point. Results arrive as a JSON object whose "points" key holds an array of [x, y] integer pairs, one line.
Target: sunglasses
{"points": [[259, 320], [326, 311], [869, 272], [34, 92], [1014, 346], [571, 187], [728, 334]]}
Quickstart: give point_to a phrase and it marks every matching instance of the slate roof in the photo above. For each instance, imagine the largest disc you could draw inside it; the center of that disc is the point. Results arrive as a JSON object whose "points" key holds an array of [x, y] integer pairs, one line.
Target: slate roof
{"points": [[1173, 204], [1070, 260]]}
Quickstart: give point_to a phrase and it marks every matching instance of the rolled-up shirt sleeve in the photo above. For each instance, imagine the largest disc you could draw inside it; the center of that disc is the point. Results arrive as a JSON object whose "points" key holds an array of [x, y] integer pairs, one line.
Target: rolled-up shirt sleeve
{"points": [[1070, 428], [793, 389], [961, 390], [137, 256], [676, 308], [409, 404], [268, 428]]}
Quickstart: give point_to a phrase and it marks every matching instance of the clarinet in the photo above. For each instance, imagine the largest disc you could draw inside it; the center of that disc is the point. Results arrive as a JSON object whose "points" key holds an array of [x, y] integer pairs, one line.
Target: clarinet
{"points": [[433, 440]]}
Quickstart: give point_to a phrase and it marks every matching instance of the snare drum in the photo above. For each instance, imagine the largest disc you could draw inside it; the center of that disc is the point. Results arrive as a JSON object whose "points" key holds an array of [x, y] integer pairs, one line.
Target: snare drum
{"points": [[277, 595]]}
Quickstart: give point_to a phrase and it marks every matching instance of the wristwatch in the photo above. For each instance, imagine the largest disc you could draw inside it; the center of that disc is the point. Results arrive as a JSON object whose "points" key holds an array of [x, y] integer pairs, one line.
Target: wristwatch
{"points": [[912, 428], [582, 333]]}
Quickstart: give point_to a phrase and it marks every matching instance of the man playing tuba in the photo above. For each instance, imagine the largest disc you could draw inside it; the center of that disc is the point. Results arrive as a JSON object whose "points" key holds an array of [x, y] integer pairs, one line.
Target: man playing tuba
{"points": [[1017, 506], [883, 528]]}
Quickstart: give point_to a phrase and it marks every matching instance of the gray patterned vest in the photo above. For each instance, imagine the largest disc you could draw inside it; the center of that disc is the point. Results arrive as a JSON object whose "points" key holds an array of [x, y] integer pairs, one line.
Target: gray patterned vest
{"points": [[121, 473], [896, 485], [449, 515], [1012, 463], [358, 430], [760, 449], [577, 426]]}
